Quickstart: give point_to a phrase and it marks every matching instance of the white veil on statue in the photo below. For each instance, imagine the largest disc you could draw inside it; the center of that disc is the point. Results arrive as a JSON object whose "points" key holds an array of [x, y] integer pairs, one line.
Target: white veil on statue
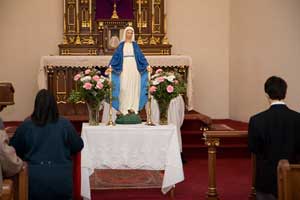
{"points": [[124, 34]]}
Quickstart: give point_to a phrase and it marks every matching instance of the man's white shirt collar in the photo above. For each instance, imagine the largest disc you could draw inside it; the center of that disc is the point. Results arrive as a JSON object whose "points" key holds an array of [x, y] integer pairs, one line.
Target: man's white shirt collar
{"points": [[277, 103]]}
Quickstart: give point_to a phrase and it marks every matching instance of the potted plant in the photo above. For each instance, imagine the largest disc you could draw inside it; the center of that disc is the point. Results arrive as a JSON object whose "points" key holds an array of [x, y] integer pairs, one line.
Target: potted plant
{"points": [[92, 88], [165, 86]]}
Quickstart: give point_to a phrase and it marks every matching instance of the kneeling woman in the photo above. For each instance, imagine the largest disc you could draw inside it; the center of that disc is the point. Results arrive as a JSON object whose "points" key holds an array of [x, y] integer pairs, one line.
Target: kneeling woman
{"points": [[46, 142]]}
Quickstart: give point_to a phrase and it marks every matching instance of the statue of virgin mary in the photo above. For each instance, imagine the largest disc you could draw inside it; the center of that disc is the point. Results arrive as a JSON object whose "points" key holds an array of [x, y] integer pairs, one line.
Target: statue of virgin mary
{"points": [[129, 69]]}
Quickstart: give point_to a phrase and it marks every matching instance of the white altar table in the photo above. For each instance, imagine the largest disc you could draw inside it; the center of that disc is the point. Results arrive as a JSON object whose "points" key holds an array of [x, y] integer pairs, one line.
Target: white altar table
{"points": [[131, 147], [175, 114]]}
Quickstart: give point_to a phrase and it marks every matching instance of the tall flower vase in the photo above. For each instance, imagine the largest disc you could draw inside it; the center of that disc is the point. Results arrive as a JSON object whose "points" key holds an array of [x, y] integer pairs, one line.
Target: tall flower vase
{"points": [[93, 108], [163, 112]]}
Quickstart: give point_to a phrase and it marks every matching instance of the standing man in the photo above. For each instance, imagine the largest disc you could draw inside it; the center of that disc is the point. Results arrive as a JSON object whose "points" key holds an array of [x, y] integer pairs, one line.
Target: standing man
{"points": [[273, 135]]}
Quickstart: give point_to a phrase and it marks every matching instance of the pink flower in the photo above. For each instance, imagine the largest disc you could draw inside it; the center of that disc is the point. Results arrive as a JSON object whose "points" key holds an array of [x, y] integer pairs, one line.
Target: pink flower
{"points": [[170, 89], [176, 82], [96, 78], [160, 79], [77, 77], [99, 85], [88, 71], [159, 71], [153, 89], [87, 86]]}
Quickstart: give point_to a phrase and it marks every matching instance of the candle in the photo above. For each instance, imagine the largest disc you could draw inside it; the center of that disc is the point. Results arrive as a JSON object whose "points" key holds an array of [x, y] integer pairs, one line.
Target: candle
{"points": [[77, 14], [90, 6], [64, 6], [165, 7], [153, 7], [140, 7], [77, 6]]}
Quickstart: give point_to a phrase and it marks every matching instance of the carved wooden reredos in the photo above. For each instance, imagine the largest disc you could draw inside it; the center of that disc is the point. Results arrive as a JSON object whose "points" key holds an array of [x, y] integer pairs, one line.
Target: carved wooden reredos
{"points": [[94, 27]]}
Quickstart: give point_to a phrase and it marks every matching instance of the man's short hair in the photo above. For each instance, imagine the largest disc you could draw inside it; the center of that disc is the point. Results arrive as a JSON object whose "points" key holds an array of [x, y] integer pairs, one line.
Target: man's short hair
{"points": [[276, 88]]}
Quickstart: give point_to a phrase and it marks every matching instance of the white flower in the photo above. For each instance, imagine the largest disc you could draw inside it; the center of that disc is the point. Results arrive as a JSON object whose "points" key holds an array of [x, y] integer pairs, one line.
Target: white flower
{"points": [[155, 82], [170, 78], [102, 79], [154, 76], [86, 79]]}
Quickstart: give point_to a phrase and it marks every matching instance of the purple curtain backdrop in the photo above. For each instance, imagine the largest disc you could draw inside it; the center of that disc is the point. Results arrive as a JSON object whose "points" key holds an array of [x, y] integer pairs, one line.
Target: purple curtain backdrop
{"points": [[104, 9]]}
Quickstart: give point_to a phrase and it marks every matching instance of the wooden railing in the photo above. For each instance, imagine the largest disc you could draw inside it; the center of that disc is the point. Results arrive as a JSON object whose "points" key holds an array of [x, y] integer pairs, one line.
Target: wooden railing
{"points": [[212, 141]]}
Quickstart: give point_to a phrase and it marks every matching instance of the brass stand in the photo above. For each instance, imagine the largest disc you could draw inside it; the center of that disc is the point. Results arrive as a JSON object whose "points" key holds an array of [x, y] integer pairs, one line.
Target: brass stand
{"points": [[91, 39], [149, 112], [140, 39], [152, 39], [165, 40], [115, 13], [110, 121], [78, 40], [65, 40]]}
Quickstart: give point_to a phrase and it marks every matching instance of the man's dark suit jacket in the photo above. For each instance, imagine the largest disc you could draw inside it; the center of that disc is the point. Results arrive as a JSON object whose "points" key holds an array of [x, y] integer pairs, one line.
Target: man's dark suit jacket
{"points": [[273, 135]]}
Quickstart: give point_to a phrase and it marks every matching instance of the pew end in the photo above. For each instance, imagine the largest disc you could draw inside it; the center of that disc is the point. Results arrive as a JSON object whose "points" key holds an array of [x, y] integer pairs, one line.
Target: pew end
{"points": [[16, 188], [288, 180]]}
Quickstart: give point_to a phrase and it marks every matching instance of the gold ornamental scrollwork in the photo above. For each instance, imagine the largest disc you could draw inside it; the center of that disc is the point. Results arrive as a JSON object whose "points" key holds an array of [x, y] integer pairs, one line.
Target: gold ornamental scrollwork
{"points": [[212, 142]]}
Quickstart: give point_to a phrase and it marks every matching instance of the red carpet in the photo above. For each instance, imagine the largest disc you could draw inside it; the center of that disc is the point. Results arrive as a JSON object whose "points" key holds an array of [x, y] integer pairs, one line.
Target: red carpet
{"points": [[234, 181], [233, 174]]}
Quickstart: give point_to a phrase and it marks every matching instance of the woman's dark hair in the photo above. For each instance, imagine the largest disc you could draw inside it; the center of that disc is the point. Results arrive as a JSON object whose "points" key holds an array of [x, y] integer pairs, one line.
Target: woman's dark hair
{"points": [[45, 108], [276, 88]]}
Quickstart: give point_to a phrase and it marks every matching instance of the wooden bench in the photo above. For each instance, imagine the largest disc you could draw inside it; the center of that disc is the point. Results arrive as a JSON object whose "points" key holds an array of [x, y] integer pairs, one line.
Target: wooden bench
{"points": [[16, 188], [288, 180]]}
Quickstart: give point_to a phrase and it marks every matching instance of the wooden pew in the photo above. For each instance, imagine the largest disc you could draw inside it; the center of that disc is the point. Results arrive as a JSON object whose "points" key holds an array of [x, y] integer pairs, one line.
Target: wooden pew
{"points": [[16, 188], [7, 190], [6, 95], [213, 139], [288, 180]]}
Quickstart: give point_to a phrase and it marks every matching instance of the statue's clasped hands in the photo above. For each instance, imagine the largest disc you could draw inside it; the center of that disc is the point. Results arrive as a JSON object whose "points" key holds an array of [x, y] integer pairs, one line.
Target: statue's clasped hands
{"points": [[149, 69], [108, 70]]}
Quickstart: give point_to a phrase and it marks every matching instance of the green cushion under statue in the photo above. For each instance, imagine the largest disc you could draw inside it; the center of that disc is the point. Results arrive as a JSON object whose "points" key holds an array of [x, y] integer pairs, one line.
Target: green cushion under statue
{"points": [[130, 118]]}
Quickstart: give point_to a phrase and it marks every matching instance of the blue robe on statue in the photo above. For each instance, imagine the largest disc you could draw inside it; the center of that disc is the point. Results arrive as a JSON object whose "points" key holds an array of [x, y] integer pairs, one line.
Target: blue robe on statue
{"points": [[117, 65]]}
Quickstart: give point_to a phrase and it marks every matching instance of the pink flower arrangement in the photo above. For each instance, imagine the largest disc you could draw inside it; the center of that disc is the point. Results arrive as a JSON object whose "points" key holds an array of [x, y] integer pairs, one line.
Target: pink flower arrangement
{"points": [[164, 86], [91, 86], [87, 86], [88, 71], [170, 89], [158, 71], [96, 78], [77, 77], [160, 79], [99, 85], [153, 89]]}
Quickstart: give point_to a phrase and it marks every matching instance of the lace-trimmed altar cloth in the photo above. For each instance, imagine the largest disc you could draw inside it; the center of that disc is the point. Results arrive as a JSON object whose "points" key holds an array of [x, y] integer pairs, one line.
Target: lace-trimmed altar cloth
{"points": [[131, 147], [175, 114]]}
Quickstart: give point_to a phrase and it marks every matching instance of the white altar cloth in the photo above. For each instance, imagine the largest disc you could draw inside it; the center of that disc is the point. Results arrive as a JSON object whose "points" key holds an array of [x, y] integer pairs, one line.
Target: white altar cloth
{"points": [[175, 114], [101, 61], [131, 147]]}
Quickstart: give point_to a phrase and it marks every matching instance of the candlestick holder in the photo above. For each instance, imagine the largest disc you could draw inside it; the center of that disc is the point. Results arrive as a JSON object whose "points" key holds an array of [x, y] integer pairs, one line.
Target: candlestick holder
{"points": [[115, 13], [110, 121], [149, 111]]}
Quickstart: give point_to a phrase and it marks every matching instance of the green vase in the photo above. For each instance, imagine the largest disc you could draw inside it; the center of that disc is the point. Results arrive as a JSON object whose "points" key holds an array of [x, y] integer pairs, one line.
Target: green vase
{"points": [[163, 112]]}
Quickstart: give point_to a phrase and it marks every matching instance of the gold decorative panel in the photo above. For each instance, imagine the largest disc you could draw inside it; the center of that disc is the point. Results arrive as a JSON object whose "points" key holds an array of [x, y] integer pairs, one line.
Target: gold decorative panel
{"points": [[85, 36]]}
